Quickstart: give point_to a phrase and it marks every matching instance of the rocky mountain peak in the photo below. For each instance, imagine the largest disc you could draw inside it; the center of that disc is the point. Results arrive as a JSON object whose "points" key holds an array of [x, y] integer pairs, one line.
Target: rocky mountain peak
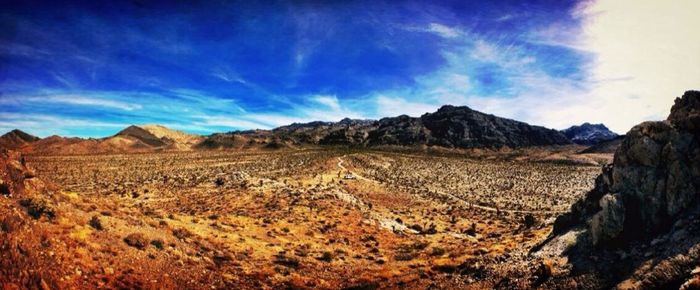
{"points": [[446, 109], [16, 139], [23, 135], [589, 134]]}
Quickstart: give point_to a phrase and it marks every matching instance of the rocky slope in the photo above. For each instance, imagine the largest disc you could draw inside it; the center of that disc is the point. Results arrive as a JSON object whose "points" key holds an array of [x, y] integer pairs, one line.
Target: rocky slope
{"points": [[463, 127], [16, 139], [589, 134], [450, 127], [608, 146], [640, 221]]}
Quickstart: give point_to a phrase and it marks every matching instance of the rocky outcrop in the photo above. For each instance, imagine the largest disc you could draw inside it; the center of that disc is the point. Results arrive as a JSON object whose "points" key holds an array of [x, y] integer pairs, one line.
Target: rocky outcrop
{"points": [[638, 227], [589, 134], [654, 179], [15, 177]]}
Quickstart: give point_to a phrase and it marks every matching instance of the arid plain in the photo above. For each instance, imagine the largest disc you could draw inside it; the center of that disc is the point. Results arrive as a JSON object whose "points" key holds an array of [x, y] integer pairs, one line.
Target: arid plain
{"points": [[317, 218]]}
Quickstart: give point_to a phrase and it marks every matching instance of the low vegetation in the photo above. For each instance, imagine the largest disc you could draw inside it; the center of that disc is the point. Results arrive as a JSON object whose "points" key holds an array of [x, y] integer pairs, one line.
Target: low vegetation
{"points": [[280, 219]]}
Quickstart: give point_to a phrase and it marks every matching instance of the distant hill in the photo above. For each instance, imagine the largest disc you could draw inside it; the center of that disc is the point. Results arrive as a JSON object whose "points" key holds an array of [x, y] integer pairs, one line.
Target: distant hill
{"points": [[589, 134], [146, 138], [16, 139], [450, 127], [139, 134], [179, 139]]}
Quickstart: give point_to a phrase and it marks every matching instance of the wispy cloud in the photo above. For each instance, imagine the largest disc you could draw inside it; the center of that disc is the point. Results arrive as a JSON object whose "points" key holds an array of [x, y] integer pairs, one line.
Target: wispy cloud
{"points": [[87, 101], [230, 122], [70, 99], [328, 101], [444, 31]]}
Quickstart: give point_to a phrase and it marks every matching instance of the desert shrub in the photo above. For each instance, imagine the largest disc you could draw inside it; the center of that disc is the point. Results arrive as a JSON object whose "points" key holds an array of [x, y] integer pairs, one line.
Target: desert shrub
{"points": [[4, 189], [364, 285], [529, 221], [182, 233], [38, 207], [136, 240], [431, 230], [95, 223], [472, 230], [158, 243], [286, 261], [437, 251], [219, 181], [403, 257], [326, 257]]}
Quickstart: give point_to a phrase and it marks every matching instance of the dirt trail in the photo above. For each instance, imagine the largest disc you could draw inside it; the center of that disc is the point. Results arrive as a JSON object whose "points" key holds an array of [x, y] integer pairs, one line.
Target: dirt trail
{"points": [[453, 197]]}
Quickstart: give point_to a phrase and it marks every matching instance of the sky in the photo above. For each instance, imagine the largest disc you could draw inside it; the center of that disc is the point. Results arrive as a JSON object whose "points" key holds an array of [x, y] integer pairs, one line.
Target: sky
{"points": [[93, 68]]}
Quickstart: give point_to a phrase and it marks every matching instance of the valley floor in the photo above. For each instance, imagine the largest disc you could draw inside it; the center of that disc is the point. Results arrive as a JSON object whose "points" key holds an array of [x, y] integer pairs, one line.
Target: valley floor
{"points": [[322, 219]]}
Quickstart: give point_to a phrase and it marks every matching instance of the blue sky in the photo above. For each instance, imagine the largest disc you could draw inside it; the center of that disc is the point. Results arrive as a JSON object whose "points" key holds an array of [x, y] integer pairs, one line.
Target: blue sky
{"points": [[92, 69]]}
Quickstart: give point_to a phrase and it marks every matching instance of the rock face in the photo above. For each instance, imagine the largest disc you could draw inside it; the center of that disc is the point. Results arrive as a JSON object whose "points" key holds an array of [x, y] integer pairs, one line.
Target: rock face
{"points": [[655, 177], [450, 126], [589, 134]]}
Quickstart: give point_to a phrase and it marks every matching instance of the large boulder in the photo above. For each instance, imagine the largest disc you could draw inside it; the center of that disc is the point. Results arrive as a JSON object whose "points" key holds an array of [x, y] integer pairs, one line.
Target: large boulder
{"points": [[655, 177], [608, 223]]}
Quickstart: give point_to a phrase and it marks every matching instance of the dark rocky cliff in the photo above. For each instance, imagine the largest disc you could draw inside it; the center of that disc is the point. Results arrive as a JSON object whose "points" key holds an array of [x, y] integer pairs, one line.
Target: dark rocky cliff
{"points": [[638, 227]]}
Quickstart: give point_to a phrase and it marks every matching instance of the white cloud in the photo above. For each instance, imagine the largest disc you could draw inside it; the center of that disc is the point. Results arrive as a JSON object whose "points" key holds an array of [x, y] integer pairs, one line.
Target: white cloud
{"points": [[647, 53], [444, 31], [644, 54], [458, 81], [329, 101], [322, 108]]}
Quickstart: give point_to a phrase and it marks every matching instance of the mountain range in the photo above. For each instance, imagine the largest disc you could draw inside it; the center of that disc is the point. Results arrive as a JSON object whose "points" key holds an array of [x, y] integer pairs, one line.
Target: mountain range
{"points": [[448, 127]]}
